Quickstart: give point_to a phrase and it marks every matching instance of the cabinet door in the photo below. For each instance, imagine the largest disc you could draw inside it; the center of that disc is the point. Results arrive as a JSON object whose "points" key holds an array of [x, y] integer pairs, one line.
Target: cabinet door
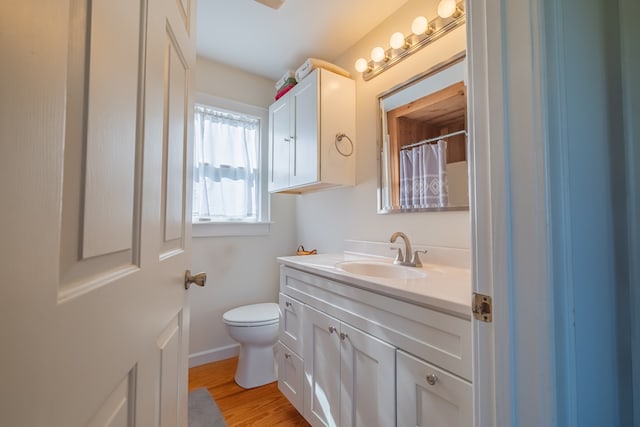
{"points": [[367, 377], [279, 144], [430, 397], [304, 102], [290, 375], [321, 368], [291, 323]]}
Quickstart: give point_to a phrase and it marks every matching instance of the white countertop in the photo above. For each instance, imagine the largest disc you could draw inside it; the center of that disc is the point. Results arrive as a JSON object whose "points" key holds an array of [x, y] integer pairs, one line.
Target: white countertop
{"points": [[444, 287]]}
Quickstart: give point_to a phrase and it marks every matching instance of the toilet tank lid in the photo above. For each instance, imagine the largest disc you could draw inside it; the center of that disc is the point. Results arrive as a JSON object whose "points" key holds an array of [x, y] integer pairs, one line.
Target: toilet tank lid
{"points": [[253, 313]]}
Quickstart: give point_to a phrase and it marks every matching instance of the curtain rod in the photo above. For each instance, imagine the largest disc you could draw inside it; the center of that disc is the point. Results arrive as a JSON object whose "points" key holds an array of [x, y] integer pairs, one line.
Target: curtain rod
{"points": [[437, 138]]}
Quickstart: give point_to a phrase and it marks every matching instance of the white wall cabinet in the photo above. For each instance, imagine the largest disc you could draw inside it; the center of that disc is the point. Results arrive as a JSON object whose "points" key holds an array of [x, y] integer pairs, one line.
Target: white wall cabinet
{"points": [[370, 359], [303, 152]]}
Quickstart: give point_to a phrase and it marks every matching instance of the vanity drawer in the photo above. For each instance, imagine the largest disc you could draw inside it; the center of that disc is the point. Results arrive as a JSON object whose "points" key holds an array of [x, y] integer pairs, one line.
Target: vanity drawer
{"points": [[291, 322], [441, 338], [290, 375]]}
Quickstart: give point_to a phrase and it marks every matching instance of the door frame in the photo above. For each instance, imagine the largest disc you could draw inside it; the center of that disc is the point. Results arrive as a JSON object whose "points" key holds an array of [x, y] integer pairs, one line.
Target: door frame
{"points": [[528, 363], [509, 235], [630, 34]]}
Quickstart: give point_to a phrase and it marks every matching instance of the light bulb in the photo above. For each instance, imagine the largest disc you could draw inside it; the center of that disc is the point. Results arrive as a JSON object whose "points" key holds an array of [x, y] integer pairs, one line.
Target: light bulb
{"points": [[361, 65], [377, 54], [397, 40], [419, 25], [446, 8]]}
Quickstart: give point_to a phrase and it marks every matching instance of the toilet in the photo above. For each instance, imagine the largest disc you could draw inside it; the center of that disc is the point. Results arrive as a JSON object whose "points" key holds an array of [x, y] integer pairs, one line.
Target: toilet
{"points": [[255, 327]]}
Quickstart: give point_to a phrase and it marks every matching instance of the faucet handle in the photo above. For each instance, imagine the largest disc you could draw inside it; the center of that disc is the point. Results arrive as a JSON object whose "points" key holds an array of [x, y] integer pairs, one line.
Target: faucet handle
{"points": [[399, 257], [416, 258]]}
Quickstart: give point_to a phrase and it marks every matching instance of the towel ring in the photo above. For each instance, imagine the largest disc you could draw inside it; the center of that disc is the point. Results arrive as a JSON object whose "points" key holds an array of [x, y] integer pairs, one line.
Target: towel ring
{"points": [[339, 137]]}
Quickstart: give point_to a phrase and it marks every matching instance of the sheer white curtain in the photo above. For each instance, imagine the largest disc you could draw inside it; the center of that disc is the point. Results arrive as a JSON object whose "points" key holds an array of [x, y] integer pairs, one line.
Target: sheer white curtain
{"points": [[423, 176], [226, 156]]}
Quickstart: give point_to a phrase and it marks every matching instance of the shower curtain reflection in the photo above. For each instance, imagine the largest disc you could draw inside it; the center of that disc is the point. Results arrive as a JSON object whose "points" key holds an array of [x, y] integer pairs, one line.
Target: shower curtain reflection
{"points": [[423, 176]]}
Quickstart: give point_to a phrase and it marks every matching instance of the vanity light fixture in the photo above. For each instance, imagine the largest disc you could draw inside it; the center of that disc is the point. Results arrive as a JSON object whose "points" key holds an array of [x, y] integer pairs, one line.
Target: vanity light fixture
{"points": [[447, 8], [450, 16], [377, 54], [362, 65], [420, 26], [397, 41]]}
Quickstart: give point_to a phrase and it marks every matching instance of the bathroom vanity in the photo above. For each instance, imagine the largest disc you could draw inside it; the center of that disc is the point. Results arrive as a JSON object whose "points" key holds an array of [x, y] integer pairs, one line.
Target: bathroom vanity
{"points": [[364, 342]]}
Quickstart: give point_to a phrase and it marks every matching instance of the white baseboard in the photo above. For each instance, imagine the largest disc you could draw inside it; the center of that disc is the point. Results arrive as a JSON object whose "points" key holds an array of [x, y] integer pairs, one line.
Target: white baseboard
{"points": [[213, 355]]}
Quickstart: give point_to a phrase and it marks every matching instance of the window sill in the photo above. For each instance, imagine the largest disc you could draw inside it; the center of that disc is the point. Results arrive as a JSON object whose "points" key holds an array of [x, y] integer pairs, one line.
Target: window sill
{"points": [[222, 229]]}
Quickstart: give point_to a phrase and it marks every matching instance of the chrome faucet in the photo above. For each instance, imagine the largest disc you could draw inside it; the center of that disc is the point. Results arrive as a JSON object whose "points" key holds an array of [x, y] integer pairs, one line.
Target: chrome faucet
{"points": [[404, 259], [400, 258]]}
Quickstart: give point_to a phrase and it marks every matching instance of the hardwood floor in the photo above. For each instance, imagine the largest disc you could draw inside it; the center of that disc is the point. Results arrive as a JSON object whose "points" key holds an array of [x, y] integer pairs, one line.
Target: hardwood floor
{"points": [[260, 406]]}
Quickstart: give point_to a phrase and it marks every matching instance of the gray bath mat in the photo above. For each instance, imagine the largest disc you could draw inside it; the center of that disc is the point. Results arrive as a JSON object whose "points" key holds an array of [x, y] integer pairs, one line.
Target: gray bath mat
{"points": [[203, 411]]}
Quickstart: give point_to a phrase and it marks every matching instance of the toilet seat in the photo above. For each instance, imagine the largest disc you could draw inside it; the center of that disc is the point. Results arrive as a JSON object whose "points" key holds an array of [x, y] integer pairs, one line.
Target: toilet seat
{"points": [[253, 315]]}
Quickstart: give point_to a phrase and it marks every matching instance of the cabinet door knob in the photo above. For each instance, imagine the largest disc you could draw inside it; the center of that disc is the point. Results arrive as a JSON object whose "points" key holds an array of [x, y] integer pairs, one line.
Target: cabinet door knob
{"points": [[432, 379], [332, 329], [343, 336], [287, 355], [288, 304]]}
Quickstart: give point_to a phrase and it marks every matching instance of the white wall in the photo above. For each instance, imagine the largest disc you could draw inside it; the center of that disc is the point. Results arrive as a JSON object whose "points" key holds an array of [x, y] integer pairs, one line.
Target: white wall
{"points": [[327, 218], [231, 83], [240, 270]]}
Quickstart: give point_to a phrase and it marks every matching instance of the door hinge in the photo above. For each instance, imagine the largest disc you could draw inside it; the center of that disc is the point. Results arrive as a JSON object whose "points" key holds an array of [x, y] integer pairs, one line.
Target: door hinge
{"points": [[482, 307]]}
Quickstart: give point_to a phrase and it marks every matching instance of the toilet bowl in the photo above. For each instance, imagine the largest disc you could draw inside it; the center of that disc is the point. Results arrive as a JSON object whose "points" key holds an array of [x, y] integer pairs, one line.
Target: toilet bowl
{"points": [[255, 327]]}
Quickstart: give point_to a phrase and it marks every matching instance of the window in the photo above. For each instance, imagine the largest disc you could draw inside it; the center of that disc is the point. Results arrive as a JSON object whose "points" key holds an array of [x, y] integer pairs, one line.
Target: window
{"points": [[228, 170]]}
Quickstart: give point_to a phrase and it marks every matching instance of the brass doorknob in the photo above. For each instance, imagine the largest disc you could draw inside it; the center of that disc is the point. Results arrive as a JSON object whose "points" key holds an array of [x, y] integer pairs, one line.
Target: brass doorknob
{"points": [[199, 279]]}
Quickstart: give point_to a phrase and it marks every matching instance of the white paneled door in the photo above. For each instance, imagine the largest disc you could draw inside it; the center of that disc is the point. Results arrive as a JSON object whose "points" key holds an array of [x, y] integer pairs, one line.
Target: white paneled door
{"points": [[95, 124]]}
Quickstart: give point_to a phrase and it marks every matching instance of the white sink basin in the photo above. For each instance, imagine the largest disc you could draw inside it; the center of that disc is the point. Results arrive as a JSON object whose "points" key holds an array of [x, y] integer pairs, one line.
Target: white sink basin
{"points": [[381, 269]]}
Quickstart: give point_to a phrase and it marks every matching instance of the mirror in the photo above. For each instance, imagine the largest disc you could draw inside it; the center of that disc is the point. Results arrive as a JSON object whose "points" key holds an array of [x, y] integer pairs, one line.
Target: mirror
{"points": [[422, 143]]}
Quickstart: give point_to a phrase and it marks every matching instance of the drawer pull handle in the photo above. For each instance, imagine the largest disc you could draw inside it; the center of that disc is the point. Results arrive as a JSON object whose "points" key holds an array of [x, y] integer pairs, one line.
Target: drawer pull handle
{"points": [[432, 379], [287, 355], [332, 329]]}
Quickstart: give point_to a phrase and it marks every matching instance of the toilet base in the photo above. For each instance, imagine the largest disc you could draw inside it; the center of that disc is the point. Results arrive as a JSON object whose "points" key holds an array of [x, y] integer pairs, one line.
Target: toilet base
{"points": [[256, 366]]}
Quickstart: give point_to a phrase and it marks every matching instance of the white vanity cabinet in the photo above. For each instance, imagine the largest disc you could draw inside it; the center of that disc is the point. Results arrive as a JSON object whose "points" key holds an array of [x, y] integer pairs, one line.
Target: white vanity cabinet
{"points": [[303, 152], [369, 359], [429, 396], [288, 351], [348, 374]]}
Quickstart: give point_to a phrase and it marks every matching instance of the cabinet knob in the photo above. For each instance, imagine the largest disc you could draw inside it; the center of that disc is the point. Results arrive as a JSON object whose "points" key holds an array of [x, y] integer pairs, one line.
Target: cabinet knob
{"points": [[332, 329], [288, 304], [287, 355], [432, 379], [343, 336]]}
